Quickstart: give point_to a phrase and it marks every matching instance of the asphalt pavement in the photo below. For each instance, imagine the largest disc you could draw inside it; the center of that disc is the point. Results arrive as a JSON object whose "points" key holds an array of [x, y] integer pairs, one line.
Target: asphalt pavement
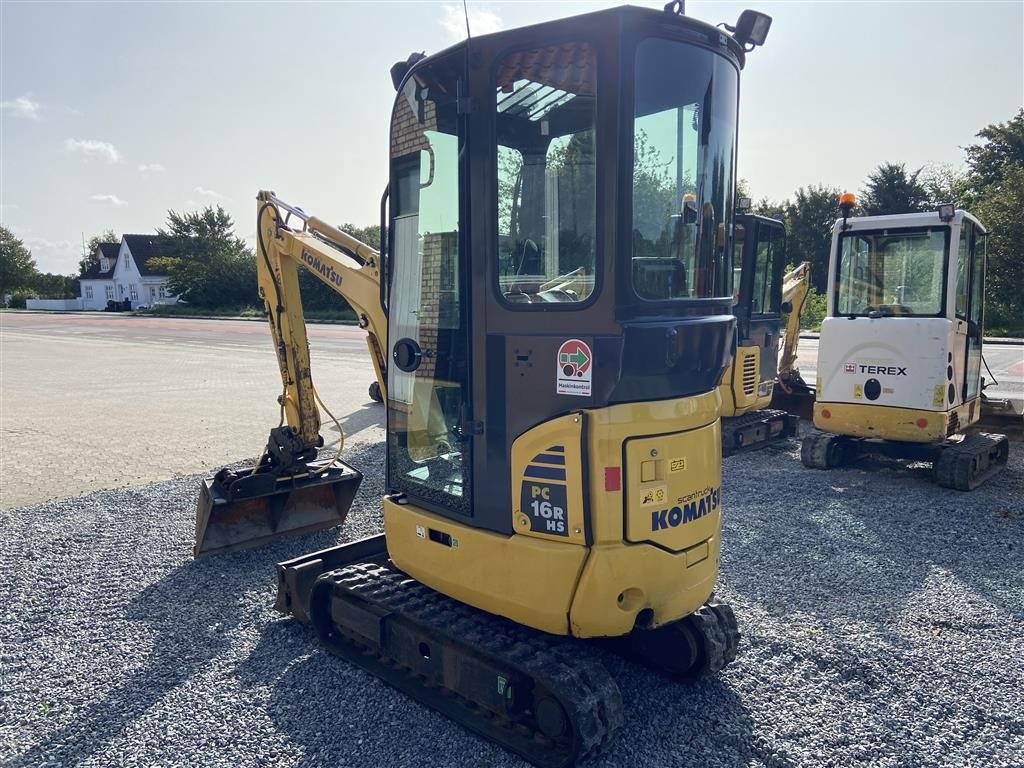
{"points": [[94, 401]]}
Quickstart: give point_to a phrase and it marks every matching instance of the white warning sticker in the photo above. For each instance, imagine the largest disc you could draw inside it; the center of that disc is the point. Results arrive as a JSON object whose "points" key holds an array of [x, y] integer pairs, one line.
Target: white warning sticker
{"points": [[575, 367]]}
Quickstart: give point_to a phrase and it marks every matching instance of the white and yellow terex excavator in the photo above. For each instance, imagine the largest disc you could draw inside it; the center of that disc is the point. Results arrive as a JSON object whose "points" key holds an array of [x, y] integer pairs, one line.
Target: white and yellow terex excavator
{"points": [[765, 354], [553, 460], [899, 358]]}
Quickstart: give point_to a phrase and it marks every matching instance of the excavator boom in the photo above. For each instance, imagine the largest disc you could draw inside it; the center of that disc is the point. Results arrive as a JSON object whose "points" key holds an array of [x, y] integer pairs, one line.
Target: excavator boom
{"points": [[289, 491], [791, 392]]}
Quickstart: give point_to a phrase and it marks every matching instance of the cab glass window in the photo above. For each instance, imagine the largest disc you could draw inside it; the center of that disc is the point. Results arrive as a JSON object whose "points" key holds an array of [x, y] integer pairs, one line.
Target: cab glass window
{"points": [[892, 273], [963, 265], [547, 181], [684, 134], [765, 296]]}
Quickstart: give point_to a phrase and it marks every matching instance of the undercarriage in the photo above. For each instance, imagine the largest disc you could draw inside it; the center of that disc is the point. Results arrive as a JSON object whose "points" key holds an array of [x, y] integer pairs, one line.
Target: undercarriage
{"points": [[547, 698], [963, 462]]}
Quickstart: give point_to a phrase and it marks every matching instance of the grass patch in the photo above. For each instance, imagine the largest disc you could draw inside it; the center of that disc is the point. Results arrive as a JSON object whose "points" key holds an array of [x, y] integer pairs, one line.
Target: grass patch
{"points": [[341, 316]]}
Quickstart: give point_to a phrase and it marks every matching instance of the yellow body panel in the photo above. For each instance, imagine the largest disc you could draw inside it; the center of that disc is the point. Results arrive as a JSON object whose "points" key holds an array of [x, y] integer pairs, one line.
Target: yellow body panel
{"points": [[609, 428], [670, 585], [592, 579], [890, 423], [526, 579], [741, 383], [673, 487], [547, 488]]}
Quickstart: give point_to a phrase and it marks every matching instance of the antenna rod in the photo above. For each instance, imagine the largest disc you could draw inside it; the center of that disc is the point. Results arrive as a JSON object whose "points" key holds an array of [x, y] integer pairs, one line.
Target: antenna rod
{"points": [[465, 10]]}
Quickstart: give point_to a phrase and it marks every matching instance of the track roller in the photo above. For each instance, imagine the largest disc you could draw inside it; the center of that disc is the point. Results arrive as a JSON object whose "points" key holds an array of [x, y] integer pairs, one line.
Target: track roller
{"points": [[532, 693], [967, 464], [702, 643], [821, 450]]}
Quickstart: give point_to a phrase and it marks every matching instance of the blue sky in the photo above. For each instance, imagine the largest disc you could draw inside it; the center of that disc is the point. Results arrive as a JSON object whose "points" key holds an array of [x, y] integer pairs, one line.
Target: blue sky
{"points": [[113, 113]]}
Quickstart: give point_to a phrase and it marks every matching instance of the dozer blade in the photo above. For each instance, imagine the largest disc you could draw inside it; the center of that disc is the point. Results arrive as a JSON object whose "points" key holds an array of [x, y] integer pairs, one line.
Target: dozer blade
{"points": [[243, 511], [1003, 415]]}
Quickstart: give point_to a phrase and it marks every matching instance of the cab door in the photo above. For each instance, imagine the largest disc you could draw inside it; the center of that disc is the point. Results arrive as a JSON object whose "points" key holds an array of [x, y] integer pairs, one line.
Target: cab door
{"points": [[762, 260], [970, 299], [429, 456]]}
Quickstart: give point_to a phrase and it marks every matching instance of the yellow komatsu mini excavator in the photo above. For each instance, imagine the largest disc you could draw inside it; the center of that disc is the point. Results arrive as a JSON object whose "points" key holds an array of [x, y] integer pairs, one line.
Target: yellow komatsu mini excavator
{"points": [[763, 295], [899, 359], [553, 452]]}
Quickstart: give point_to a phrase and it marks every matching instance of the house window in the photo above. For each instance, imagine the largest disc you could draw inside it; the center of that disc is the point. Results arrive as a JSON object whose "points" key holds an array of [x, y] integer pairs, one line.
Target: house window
{"points": [[164, 293], [110, 292], [135, 292], [88, 291], [152, 293]]}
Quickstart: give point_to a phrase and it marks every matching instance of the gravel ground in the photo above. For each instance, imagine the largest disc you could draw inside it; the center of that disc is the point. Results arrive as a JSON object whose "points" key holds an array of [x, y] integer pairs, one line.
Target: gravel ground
{"points": [[883, 623]]}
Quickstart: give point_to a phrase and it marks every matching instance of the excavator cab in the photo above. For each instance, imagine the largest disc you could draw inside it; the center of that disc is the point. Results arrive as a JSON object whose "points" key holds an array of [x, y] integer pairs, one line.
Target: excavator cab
{"points": [[760, 245], [765, 293], [560, 220]]}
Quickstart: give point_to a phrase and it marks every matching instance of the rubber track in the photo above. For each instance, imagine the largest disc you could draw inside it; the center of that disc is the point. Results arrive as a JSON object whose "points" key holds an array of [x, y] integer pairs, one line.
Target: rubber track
{"points": [[716, 623], [734, 424], [814, 450], [954, 468], [593, 701]]}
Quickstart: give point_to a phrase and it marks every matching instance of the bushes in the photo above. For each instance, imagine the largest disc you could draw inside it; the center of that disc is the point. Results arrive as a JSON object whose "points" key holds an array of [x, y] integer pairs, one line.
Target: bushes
{"points": [[18, 299], [341, 316], [814, 311]]}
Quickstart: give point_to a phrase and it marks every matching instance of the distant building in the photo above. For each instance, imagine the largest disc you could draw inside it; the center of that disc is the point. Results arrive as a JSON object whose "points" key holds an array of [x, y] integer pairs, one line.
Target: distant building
{"points": [[123, 273]]}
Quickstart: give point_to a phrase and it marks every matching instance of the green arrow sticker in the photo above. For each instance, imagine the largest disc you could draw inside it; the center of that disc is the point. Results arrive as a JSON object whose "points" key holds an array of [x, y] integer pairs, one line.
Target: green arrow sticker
{"points": [[575, 366]]}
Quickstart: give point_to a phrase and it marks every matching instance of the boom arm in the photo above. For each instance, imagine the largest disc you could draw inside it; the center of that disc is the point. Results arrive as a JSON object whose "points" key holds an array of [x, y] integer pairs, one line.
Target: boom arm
{"points": [[795, 286], [346, 265]]}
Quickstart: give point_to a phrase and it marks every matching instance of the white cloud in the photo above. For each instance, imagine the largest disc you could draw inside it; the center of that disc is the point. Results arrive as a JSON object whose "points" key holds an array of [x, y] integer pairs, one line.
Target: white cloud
{"points": [[22, 106], [151, 168], [209, 193], [58, 256], [482, 21], [93, 148], [114, 200]]}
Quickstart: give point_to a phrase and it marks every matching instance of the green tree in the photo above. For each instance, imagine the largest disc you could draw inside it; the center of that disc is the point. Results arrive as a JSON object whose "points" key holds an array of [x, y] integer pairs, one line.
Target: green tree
{"points": [[51, 286], [1003, 147], [369, 235], [809, 220], [90, 258], [945, 184], [17, 267], [208, 265], [890, 189], [771, 208], [995, 182]]}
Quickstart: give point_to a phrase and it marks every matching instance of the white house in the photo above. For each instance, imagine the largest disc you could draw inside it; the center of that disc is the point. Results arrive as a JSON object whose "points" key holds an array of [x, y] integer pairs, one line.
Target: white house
{"points": [[124, 274], [97, 284]]}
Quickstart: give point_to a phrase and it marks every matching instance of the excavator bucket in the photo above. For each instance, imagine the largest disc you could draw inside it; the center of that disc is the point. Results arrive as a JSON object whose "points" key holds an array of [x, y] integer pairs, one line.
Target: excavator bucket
{"points": [[243, 510]]}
